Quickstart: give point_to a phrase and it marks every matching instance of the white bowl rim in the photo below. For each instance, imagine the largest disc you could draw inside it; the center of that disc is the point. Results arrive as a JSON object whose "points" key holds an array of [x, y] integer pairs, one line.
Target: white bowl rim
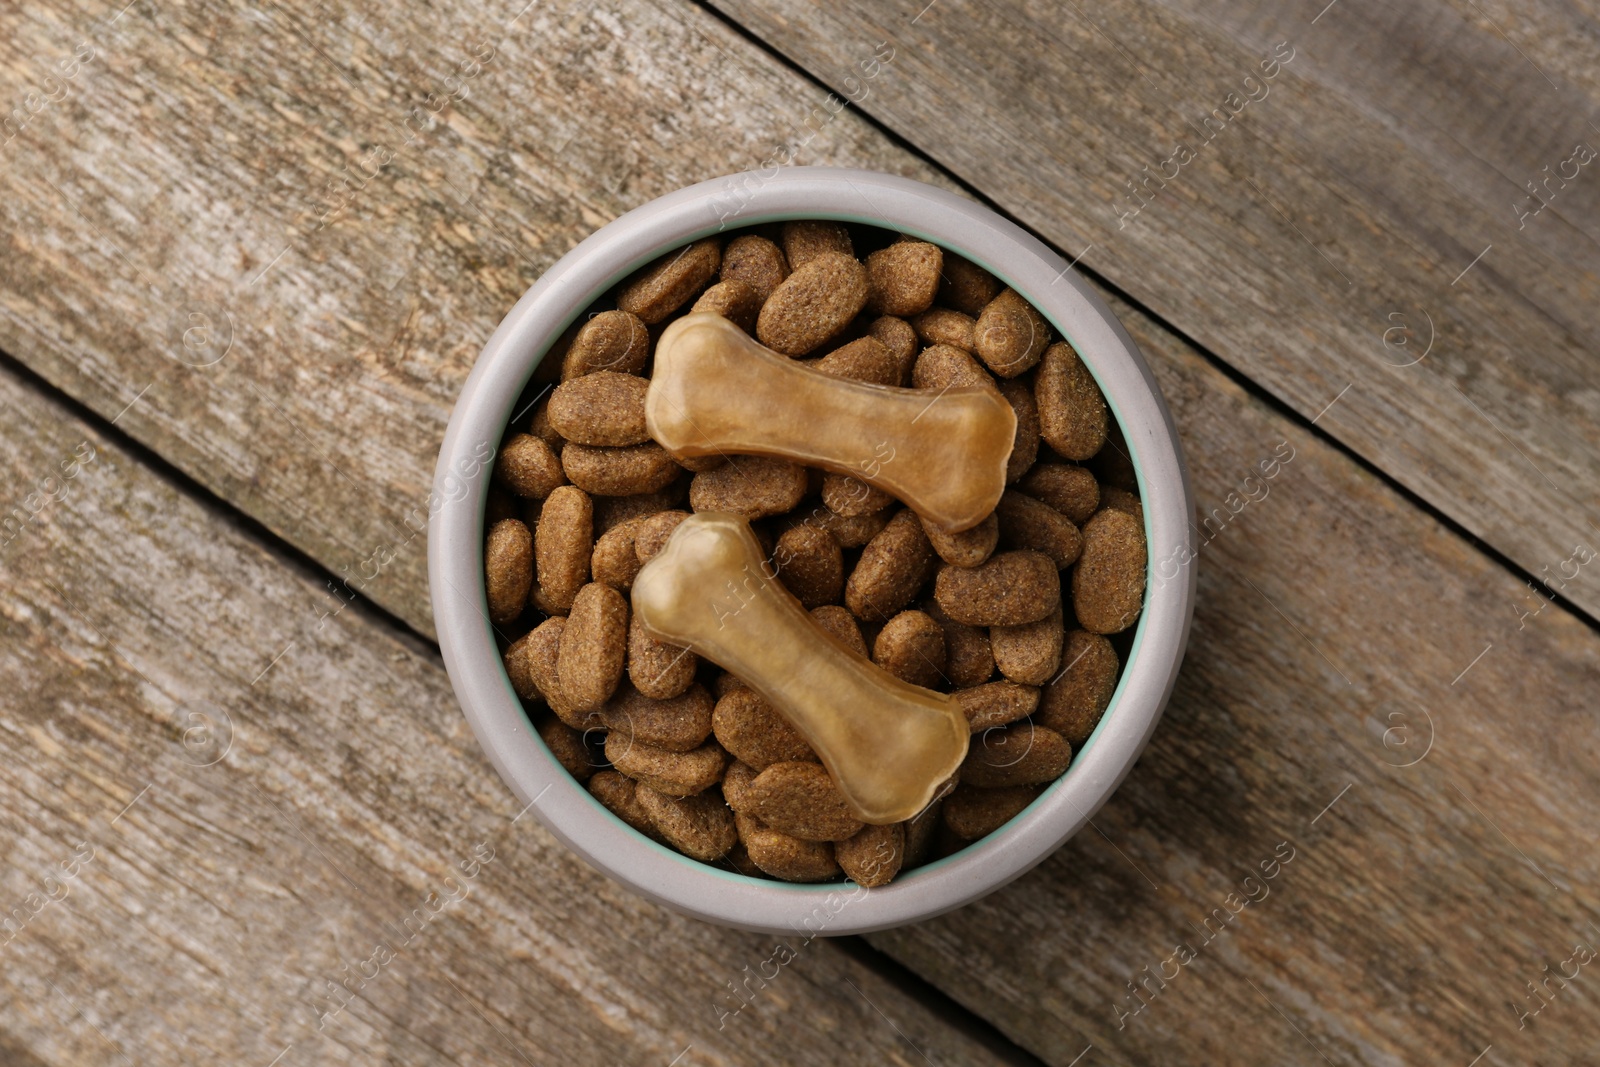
{"points": [[484, 409]]}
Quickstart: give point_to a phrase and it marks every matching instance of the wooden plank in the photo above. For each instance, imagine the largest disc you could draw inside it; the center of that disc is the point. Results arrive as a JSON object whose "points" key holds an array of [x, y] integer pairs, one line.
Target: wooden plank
{"points": [[1340, 635], [1300, 235], [194, 248], [437, 292], [233, 804]]}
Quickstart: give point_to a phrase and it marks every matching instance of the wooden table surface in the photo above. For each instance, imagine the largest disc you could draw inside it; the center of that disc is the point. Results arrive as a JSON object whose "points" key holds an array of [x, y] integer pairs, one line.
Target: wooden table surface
{"points": [[251, 249]]}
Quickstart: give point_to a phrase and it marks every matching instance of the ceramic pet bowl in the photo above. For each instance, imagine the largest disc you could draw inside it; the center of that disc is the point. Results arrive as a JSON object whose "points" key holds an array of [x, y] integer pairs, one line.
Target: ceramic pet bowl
{"points": [[489, 401]]}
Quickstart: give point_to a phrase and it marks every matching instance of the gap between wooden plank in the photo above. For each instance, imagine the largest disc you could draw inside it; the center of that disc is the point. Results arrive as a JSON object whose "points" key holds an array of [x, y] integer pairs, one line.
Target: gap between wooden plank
{"points": [[232, 516], [936, 1000]]}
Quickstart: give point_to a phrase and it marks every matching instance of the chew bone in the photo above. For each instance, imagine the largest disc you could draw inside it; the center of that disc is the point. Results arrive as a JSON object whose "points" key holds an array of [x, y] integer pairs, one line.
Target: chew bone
{"points": [[717, 391], [889, 745]]}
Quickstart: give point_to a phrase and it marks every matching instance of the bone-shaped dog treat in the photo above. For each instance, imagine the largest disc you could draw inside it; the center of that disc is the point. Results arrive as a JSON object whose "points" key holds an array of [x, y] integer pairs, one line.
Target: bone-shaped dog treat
{"points": [[888, 745], [716, 391]]}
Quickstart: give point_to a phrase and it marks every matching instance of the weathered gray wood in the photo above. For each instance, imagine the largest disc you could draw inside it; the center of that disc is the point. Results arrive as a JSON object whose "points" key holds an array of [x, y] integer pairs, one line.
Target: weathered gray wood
{"points": [[211, 890], [1378, 165], [1333, 617], [173, 202], [198, 146]]}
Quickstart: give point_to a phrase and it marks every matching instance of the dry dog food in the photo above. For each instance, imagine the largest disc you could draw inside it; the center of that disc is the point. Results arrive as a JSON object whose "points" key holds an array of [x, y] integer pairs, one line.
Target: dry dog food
{"points": [[707, 591], [828, 397]]}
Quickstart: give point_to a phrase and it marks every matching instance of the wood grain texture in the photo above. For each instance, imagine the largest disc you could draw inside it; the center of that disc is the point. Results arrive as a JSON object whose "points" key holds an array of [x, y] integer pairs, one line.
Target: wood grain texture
{"points": [[1317, 238], [1339, 634], [266, 190], [198, 144], [234, 804]]}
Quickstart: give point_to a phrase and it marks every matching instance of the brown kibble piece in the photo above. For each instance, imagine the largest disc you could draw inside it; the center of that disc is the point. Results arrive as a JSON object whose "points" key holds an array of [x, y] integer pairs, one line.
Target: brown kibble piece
{"points": [[1072, 413], [678, 724], [1010, 335], [568, 747], [612, 511], [541, 658], [630, 471], [892, 567], [852, 497], [810, 564], [533, 515], [654, 531], [841, 624], [1073, 704], [530, 513], [734, 301], [615, 561], [701, 463], [563, 546], [941, 326], [940, 368], [919, 833], [863, 360], [783, 856], [671, 281], [620, 795], [678, 774], [800, 799], [968, 660], [1025, 450], [1069, 489], [971, 813], [736, 785], [752, 486], [813, 305], [903, 278], [756, 262], [611, 340], [755, 733], [900, 341], [726, 682], [967, 287], [967, 548], [911, 647], [1030, 653], [529, 467], [594, 647], [508, 569], [806, 239], [602, 408], [738, 859], [699, 826], [1020, 754], [1108, 582], [997, 704], [873, 856], [658, 669], [851, 531], [1122, 500], [1010, 589], [1026, 522], [518, 660]]}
